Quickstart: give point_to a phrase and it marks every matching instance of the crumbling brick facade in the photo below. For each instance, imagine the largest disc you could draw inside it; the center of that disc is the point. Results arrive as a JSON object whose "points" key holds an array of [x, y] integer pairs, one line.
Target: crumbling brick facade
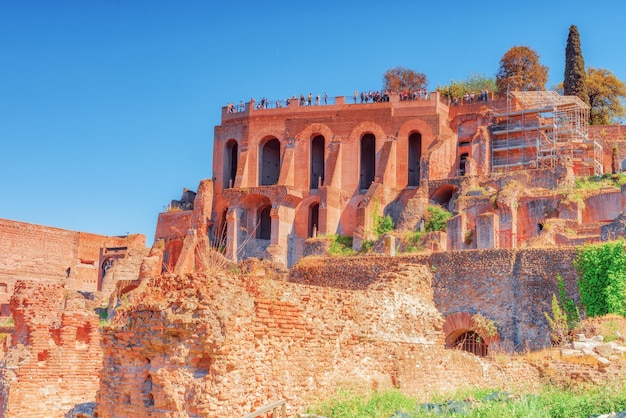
{"points": [[54, 357], [285, 174], [226, 344], [82, 261]]}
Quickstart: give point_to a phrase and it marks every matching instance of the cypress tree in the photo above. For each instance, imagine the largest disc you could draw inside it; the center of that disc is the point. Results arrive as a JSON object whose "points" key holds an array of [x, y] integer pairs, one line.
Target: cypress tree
{"points": [[575, 79]]}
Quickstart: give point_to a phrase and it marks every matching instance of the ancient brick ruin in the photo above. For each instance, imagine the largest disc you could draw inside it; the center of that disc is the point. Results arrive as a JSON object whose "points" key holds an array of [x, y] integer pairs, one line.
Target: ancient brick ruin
{"points": [[503, 167], [193, 333], [82, 261], [225, 342]]}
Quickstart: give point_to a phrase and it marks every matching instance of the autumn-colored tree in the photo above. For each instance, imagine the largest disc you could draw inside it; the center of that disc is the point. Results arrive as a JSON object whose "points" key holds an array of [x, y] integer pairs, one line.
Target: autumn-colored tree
{"points": [[605, 94], [575, 78], [475, 83], [521, 70], [402, 79]]}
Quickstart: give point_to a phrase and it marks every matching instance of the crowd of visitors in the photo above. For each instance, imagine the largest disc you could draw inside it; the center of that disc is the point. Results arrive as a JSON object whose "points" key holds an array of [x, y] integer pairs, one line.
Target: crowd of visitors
{"points": [[470, 97], [317, 100]]}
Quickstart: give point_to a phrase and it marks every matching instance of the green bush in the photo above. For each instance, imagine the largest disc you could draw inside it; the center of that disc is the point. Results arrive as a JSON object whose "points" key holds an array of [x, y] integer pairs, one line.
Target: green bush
{"points": [[436, 218], [341, 246], [383, 224], [602, 278]]}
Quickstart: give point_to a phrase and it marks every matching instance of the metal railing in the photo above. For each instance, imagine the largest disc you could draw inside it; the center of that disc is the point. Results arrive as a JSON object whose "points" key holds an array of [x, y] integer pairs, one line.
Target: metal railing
{"points": [[275, 409]]}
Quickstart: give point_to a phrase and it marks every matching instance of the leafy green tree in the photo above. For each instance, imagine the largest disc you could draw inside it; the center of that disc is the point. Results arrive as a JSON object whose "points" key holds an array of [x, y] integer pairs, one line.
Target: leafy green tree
{"points": [[475, 83], [605, 94], [575, 78], [402, 79], [521, 70]]}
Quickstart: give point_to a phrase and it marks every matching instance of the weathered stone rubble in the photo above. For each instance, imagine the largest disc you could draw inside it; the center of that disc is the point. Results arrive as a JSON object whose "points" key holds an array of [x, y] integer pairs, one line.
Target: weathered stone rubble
{"points": [[596, 348]]}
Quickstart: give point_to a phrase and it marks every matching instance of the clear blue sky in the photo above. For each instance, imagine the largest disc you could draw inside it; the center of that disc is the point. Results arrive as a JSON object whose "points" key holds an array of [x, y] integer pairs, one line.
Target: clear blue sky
{"points": [[107, 108]]}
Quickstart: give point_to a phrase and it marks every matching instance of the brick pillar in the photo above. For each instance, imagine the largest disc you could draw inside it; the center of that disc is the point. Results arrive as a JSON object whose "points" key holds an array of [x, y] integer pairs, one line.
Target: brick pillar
{"points": [[232, 233], [487, 231]]}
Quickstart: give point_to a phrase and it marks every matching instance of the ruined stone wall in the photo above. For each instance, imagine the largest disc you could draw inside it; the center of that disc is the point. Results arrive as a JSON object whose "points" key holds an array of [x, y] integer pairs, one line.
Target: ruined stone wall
{"points": [[512, 287], [44, 253], [54, 358], [224, 345]]}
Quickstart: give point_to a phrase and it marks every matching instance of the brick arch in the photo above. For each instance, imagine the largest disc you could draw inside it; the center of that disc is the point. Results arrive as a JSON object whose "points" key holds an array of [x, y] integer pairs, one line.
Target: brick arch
{"points": [[365, 128], [302, 215], [316, 162], [314, 129], [444, 194], [459, 323], [415, 125], [265, 134]]}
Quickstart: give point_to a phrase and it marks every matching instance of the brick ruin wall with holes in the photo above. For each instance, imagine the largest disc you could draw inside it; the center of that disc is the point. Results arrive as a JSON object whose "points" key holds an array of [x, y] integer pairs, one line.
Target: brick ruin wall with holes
{"points": [[53, 362], [225, 344], [45, 253]]}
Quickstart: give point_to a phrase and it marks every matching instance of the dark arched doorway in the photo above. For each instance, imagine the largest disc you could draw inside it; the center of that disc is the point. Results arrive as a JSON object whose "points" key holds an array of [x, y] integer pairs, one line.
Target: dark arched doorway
{"points": [[443, 195], [415, 154], [230, 163], [317, 161], [264, 222], [368, 161], [270, 162], [314, 215]]}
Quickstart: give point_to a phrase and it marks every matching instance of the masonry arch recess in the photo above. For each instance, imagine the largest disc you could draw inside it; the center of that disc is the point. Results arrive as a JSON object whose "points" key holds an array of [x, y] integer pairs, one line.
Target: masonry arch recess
{"points": [[255, 216], [443, 195], [414, 153], [303, 212], [463, 331], [269, 161], [231, 156], [317, 163], [367, 161]]}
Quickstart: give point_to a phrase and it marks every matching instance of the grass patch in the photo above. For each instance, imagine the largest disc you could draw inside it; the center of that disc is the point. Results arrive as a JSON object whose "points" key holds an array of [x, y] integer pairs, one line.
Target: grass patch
{"points": [[482, 403], [7, 322]]}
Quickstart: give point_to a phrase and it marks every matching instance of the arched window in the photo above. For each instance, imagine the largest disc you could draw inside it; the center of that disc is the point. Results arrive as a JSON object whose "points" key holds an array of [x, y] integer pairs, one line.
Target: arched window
{"points": [[624, 165], [270, 162], [368, 161], [317, 161], [415, 154], [230, 163], [264, 223], [314, 215], [462, 161]]}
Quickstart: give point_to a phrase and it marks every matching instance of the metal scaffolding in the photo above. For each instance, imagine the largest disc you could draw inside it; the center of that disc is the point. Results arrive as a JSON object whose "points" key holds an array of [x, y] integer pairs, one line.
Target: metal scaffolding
{"points": [[536, 129]]}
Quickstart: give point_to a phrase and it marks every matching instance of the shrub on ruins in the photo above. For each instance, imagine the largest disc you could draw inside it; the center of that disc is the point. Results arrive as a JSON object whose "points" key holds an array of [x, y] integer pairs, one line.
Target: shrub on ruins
{"points": [[565, 315], [602, 278], [521, 70], [474, 84], [400, 79], [340, 246], [436, 218]]}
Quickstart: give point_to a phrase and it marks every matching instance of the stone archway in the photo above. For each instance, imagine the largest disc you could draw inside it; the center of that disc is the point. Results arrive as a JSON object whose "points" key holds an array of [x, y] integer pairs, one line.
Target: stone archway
{"points": [[467, 331]]}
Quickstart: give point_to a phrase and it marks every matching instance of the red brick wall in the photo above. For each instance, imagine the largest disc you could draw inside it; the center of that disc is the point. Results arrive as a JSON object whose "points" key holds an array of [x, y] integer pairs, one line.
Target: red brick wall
{"points": [[224, 345], [44, 253], [55, 356]]}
